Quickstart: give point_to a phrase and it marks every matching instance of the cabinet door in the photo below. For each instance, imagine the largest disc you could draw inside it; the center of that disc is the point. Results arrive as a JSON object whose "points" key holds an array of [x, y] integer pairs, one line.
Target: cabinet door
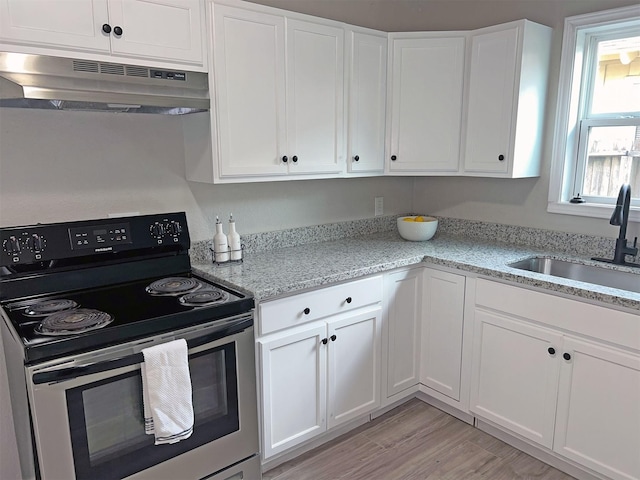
{"points": [[165, 29], [315, 96], [515, 379], [443, 316], [248, 50], [490, 104], [402, 297], [598, 418], [76, 24], [293, 384], [367, 100], [426, 104], [354, 366]]}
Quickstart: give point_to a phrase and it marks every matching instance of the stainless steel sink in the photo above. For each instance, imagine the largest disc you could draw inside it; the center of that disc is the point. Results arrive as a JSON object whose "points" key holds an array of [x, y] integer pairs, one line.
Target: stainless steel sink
{"points": [[583, 273]]}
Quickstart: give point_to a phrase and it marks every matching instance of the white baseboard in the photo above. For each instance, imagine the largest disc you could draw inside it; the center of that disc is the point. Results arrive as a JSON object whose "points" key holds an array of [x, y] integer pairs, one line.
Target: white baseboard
{"points": [[460, 415]]}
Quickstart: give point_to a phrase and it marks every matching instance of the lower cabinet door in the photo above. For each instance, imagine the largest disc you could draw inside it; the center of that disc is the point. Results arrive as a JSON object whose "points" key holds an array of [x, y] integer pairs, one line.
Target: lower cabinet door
{"points": [[402, 293], [354, 366], [293, 385], [598, 418], [515, 375], [442, 323]]}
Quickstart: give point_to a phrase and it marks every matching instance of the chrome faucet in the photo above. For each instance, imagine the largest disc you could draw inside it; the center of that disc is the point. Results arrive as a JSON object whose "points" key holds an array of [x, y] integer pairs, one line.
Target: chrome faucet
{"points": [[620, 218]]}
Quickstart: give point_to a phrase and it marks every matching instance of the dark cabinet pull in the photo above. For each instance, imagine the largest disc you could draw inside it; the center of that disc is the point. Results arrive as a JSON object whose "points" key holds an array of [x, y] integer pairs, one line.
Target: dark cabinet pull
{"points": [[295, 159], [551, 350], [393, 158], [106, 28], [349, 300], [566, 356], [285, 159], [356, 158], [333, 338], [324, 341], [117, 31], [501, 157], [307, 311]]}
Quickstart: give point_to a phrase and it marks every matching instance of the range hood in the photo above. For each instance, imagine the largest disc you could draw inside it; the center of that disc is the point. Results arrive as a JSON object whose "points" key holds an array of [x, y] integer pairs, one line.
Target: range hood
{"points": [[39, 81]]}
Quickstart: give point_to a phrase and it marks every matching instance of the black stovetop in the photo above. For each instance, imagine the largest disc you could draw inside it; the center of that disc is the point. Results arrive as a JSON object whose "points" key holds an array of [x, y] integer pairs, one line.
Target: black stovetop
{"points": [[135, 313]]}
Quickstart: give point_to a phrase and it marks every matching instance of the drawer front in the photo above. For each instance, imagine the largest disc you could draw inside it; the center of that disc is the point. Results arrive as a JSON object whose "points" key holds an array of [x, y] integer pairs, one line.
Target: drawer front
{"points": [[307, 307]]}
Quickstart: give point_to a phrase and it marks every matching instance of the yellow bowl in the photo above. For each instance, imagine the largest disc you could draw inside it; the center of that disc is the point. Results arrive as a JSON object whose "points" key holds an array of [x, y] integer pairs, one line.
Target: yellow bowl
{"points": [[417, 228]]}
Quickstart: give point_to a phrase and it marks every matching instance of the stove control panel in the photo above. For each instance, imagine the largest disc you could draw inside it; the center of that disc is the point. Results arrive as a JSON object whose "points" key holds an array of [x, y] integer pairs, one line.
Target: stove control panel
{"points": [[101, 236], [166, 231], [56, 241]]}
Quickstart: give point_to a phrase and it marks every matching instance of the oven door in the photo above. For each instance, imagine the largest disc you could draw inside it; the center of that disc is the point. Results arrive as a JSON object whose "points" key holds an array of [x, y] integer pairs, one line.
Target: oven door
{"points": [[88, 416]]}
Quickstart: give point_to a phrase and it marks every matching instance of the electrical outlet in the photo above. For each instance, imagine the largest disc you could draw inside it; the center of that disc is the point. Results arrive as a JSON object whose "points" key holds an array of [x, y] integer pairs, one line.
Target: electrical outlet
{"points": [[379, 206]]}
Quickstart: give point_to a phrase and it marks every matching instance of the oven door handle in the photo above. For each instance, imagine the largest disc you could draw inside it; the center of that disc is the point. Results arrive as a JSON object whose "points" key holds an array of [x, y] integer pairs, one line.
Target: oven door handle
{"points": [[69, 373]]}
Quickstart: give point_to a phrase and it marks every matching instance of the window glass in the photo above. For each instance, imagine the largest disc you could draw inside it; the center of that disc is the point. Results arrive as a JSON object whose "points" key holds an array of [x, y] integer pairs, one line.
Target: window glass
{"points": [[617, 82]]}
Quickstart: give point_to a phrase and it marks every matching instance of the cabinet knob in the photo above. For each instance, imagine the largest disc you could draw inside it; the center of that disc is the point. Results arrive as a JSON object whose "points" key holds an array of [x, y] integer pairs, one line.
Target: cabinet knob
{"points": [[393, 158], [295, 159], [501, 157], [551, 350], [285, 159], [117, 31], [349, 300], [106, 28], [324, 341], [356, 158], [333, 338], [566, 356], [307, 311]]}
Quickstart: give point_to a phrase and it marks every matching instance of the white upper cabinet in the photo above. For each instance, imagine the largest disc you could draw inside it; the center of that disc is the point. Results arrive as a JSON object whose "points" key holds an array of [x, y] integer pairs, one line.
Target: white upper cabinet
{"points": [[315, 96], [509, 66], [367, 59], [425, 102], [167, 30], [279, 89], [248, 52]]}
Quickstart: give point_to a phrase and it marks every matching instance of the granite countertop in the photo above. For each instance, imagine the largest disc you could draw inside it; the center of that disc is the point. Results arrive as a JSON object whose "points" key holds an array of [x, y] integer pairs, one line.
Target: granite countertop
{"points": [[282, 271]]}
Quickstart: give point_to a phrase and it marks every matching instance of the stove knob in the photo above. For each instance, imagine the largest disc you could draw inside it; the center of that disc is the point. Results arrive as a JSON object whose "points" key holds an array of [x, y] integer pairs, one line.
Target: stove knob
{"points": [[12, 245], [35, 243], [157, 230], [174, 228]]}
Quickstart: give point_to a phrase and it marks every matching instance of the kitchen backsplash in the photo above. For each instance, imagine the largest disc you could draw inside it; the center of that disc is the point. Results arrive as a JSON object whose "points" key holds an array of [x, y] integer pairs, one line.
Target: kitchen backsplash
{"points": [[570, 243]]}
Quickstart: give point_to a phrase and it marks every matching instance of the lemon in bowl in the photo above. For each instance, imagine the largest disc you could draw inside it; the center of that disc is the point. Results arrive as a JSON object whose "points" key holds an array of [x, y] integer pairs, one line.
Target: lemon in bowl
{"points": [[417, 228]]}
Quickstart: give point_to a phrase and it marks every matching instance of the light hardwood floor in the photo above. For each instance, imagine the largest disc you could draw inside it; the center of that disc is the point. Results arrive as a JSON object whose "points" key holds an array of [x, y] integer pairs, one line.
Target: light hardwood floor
{"points": [[415, 442]]}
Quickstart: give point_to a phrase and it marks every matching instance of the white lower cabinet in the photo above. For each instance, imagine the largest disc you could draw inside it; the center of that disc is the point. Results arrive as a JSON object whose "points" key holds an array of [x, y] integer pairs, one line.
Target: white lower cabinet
{"points": [[443, 296], [515, 380], [323, 373], [402, 291], [598, 415], [537, 372]]}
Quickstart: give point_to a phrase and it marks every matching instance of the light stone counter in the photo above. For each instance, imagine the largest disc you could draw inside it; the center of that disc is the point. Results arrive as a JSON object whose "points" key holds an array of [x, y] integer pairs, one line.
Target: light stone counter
{"points": [[272, 273]]}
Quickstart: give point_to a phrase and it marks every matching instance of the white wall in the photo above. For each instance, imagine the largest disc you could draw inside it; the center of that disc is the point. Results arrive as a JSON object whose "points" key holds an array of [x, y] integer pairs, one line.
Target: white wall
{"points": [[59, 166]]}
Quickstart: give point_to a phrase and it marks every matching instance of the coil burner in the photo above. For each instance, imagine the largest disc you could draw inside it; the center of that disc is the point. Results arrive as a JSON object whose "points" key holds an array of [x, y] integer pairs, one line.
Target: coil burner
{"points": [[44, 308], [204, 298], [173, 286], [72, 322]]}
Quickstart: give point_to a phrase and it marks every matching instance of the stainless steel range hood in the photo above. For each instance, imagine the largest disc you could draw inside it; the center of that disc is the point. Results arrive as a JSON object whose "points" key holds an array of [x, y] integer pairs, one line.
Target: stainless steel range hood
{"points": [[39, 81]]}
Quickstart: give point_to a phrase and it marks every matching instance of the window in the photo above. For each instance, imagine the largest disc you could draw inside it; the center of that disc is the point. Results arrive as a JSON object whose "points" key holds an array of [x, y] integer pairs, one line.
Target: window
{"points": [[597, 138]]}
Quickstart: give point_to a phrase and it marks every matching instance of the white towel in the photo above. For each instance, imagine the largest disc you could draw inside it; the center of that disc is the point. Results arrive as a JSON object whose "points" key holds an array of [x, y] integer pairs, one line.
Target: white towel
{"points": [[166, 392]]}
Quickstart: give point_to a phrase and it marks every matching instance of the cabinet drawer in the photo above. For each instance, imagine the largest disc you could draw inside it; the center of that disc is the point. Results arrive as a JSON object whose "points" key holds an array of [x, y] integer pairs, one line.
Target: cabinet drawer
{"points": [[306, 307]]}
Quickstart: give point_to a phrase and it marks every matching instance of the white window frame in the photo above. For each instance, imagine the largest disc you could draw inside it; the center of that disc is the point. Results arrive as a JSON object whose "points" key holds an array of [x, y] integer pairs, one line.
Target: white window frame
{"points": [[578, 31]]}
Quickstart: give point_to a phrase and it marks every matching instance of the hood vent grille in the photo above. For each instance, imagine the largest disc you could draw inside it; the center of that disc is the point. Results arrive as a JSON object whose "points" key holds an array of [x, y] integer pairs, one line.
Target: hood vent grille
{"points": [[82, 66], [38, 81]]}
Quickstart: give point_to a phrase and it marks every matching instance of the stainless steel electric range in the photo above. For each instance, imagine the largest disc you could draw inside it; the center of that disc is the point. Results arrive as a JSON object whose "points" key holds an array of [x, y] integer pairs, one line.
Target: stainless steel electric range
{"points": [[79, 301]]}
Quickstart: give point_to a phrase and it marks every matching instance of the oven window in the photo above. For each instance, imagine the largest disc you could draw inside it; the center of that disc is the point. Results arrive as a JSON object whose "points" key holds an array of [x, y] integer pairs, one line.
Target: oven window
{"points": [[107, 421]]}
